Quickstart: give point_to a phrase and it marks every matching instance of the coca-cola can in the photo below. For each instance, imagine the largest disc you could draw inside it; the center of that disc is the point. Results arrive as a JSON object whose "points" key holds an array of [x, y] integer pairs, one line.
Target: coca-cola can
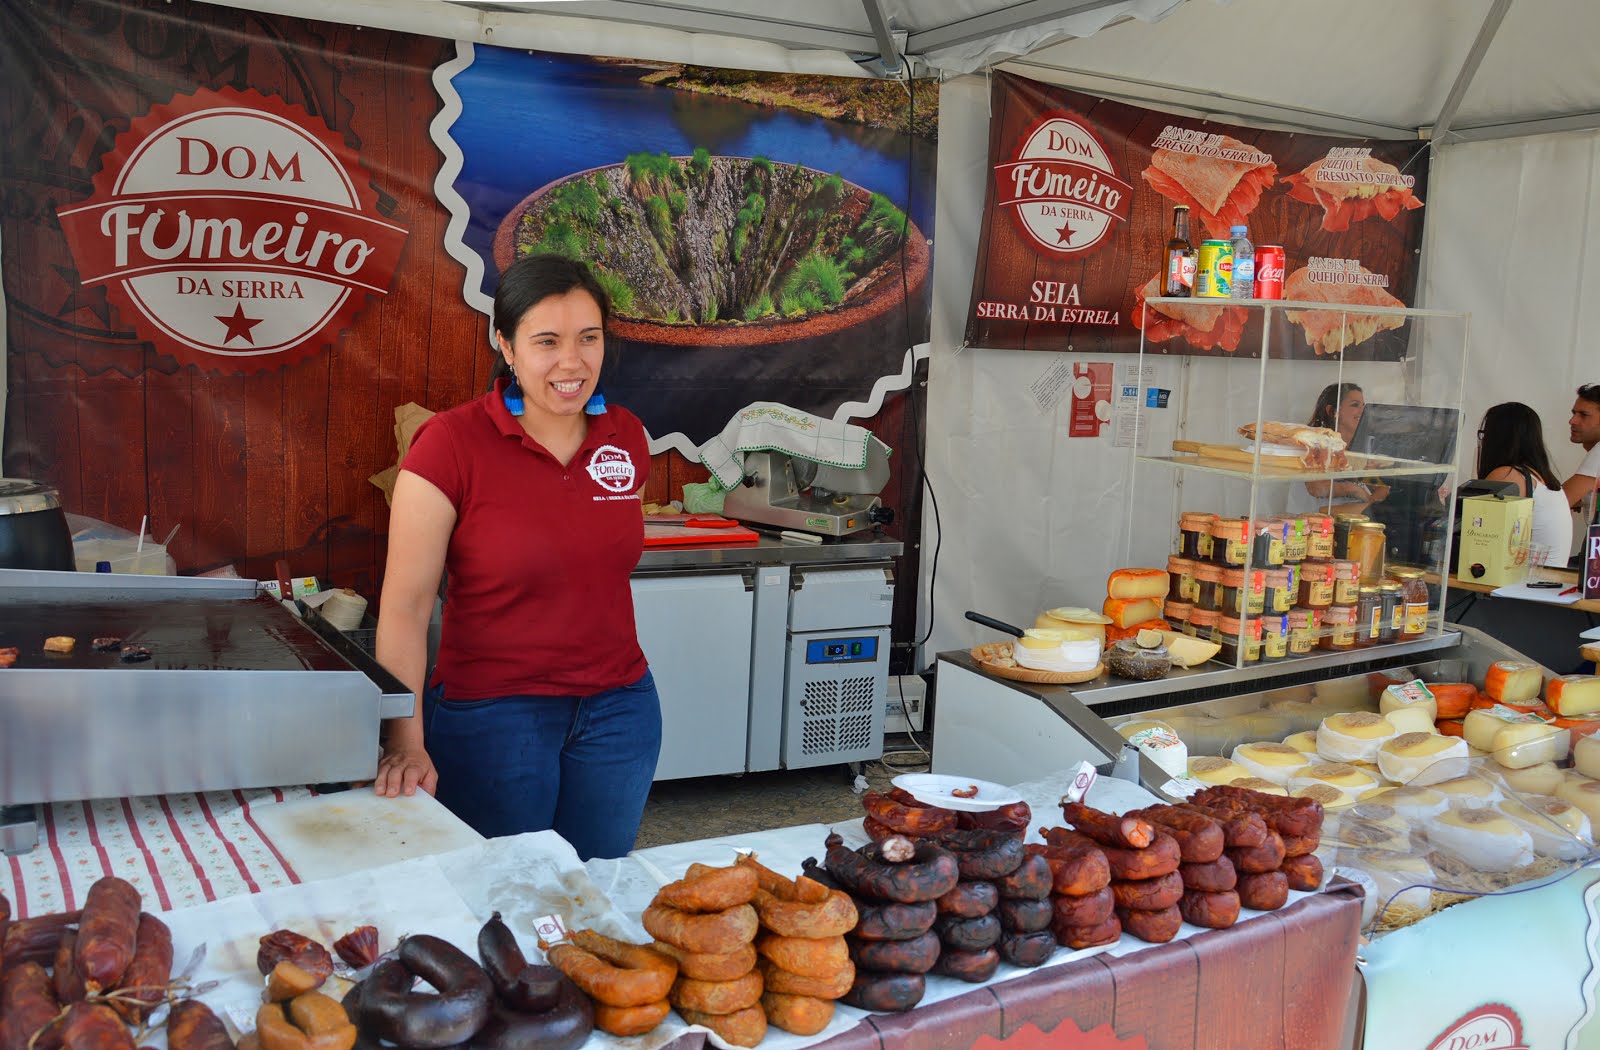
{"points": [[1270, 262]]}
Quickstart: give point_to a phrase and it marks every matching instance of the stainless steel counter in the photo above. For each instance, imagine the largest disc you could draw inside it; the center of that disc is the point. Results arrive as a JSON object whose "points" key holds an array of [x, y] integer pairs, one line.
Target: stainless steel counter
{"points": [[771, 551]]}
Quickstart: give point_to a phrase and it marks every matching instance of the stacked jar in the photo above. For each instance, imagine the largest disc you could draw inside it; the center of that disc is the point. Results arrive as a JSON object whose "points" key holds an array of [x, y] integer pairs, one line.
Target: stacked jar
{"points": [[1415, 602]]}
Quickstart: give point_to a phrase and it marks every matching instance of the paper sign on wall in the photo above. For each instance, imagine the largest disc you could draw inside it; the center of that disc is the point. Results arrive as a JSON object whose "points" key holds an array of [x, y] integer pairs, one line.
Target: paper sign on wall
{"points": [[1091, 398]]}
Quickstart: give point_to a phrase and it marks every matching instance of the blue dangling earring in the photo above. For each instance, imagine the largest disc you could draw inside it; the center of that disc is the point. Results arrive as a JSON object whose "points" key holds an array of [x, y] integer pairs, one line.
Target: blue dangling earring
{"points": [[596, 405], [513, 395]]}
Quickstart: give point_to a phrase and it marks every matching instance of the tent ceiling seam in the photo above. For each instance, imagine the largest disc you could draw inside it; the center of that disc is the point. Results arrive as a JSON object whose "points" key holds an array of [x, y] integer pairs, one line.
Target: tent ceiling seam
{"points": [[1469, 67], [1003, 20]]}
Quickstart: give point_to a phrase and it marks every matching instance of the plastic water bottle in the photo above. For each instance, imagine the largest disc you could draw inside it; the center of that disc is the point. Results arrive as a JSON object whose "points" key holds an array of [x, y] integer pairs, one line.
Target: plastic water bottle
{"points": [[1244, 265]]}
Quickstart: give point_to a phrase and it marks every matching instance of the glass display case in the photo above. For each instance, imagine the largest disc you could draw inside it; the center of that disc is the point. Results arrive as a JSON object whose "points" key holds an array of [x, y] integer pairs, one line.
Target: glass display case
{"points": [[1300, 490]]}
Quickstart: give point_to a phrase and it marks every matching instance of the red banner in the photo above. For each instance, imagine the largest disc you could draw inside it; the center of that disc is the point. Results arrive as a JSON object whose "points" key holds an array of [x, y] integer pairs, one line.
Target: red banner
{"points": [[1082, 204]]}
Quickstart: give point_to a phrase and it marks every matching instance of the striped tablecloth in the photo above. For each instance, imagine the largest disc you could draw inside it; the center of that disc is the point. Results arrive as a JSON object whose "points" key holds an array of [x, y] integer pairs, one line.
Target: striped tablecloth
{"points": [[179, 850]]}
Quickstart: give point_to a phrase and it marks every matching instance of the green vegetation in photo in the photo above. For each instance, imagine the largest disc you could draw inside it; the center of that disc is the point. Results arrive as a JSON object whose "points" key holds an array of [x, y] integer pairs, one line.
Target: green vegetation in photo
{"points": [[854, 254], [659, 214], [700, 163], [883, 215], [816, 283], [577, 199], [654, 172], [759, 309], [755, 208], [832, 187], [618, 291], [763, 163], [560, 238], [709, 314], [677, 202]]}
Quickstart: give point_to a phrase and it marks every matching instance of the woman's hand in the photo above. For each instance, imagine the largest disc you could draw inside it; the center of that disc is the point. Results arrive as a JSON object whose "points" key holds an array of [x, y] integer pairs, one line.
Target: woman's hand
{"points": [[402, 770]]}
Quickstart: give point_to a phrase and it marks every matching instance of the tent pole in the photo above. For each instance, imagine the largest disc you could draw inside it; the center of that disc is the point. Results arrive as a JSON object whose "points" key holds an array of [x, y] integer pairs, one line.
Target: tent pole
{"points": [[892, 63], [1469, 69]]}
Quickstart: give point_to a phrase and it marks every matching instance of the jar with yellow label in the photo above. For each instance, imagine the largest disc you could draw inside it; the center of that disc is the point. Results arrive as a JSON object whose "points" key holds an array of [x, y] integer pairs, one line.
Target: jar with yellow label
{"points": [[1339, 627], [1230, 541], [1243, 592], [1303, 627], [1342, 524], [1319, 536], [1201, 623], [1240, 639], [1267, 543], [1346, 582], [1393, 615], [1194, 535], [1367, 547], [1369, 617], [1181, 584], [1414, 590], [1316, 584], [1208, 586], [1274, 637], [1280, 598], [1296, 544], [1177, 614]]}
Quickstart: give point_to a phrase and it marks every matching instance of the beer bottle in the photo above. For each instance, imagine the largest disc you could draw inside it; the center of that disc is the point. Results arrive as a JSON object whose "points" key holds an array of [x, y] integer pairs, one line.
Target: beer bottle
{"points": [[1179, 262]]}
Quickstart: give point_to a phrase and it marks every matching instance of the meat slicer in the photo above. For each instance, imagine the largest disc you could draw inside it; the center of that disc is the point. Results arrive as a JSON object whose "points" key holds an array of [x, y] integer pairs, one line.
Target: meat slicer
{"points": [[788, 492]]}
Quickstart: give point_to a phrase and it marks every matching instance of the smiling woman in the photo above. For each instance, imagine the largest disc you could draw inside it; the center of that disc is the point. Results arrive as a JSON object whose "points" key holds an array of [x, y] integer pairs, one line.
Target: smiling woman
{"points": [[541, 712]]}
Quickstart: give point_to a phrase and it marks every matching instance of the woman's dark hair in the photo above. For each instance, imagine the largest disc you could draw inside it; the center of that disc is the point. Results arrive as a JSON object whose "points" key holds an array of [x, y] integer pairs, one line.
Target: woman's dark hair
{"points": [[528, 282], [1512, 436], [1326, 413]]}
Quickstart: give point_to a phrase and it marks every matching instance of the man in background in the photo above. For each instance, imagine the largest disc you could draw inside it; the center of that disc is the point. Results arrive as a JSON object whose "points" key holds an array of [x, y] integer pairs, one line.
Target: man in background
{"points": [[1584, 429]]}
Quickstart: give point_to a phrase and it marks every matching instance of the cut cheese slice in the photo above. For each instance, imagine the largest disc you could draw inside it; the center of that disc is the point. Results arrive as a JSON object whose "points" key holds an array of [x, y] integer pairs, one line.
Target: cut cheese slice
{"points": [[1306, 741], [1354, 736], [1138, 583], [1349, 781], [1484, 838], [1480, 727], [1129, 612], [1213, 770], [1540, 779], [1266, 787], [1332, 798], [1411, 720], [1521, 745], [1514, 681], [1185, 651], [1423, 758], [1585, 794], [1558, 828], [1469, 792], [1574, 695], [1271, 760], [1586, 756], [1408, 696], [1414, 803], [1041, 638]]}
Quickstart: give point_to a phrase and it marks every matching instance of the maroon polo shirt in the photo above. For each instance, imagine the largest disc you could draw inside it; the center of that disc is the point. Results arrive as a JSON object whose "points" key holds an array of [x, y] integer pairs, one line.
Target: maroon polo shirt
{"points": [[538, 600]]}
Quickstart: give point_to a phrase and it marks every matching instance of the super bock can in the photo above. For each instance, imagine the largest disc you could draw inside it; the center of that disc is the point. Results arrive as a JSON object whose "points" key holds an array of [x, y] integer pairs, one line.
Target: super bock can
{"points": [[1213, 277], [1270, 263]]}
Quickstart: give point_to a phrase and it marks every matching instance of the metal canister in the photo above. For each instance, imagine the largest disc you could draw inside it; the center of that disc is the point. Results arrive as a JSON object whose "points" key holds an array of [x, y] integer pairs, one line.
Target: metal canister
{"points": [[1270, 264], [1213, 278]]}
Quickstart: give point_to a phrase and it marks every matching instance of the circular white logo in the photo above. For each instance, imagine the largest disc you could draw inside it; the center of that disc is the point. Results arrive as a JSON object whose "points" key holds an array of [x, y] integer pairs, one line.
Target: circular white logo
{"points": [[1062, 187], [612, 468]]}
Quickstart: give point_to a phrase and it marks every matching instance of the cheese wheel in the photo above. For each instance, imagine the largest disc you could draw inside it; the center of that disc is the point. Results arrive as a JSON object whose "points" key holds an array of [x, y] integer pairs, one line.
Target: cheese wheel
{"points": [[1068, 656], [1422, 758], [1451, 727], [1519, 745], [1306, 741], [1480, 727], [1540, 779], [1212, 770], [1586, 756], [1266, 787], [1453, 699], [1041, 638], [1270, 760], [1403, 881], [1138, 583], [1514, 681], [1558, 828], [1484, 838], [1345, 830], [1585, 794], [1086, 620], [1349, 781], [1411, 720], [1379, 813], [1574, 695], [1355, 736], [1468, 792], [1158, 742], [1408, 696], [1381, 789], [1581, 727], [1332, 798]]}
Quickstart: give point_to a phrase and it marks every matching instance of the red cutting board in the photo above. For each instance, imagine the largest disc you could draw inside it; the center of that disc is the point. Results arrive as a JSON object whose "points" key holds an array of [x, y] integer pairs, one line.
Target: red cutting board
{"points": [[667, 530]]}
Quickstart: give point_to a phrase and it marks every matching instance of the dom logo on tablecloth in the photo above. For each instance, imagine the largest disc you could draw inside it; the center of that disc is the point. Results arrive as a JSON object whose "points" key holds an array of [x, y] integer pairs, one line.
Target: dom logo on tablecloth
{"points": [[1492, 1026], [233, 230]]}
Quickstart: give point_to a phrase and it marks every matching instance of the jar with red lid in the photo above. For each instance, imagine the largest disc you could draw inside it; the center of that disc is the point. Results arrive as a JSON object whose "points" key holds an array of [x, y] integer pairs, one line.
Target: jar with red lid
{"points": [[1295, 541], [1319, 536], [1316, 584], [1181, 584], [1279, 598], [1208, 586], [1177, 614], [1243, 592], [1202, 622], [1230, 541], [1303, 627], [1346, 582], [1240, 639], [1267, 536], [1194, 535], [1339, 627]]}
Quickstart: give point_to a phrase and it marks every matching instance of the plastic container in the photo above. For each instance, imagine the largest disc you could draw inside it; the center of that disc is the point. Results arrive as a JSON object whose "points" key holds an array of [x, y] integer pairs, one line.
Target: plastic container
{"points": [[1244, 265], [124, 556]]}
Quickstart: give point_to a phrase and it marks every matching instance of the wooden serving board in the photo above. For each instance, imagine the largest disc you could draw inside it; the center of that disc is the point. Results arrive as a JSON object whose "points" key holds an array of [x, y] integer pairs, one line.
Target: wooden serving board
{"points": [[1237, 456]]}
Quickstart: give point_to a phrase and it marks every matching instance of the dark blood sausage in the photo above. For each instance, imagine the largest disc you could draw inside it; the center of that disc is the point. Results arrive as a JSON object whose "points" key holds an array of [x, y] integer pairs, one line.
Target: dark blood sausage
{"points": [[1157, 927], [1261, 859], [914, 819], [1155, 860], [106, 933], [521, 986], [983, 854], [1106, 932], [1022, 916], [817, 873], [1014, 817], [392, 1011], [27, 1004], [148, 975], [885, 992], [1217, 877], [1200, 838], [892, 921], [564, 1026], [192, 1026], [68, 983], [929, 874], [1268, 891], [1091, 910], [91, 1026], [1075, 870], [1285, 815], [973, 966], [1109, 829], [1030, 882], [1241, 828], [1216, 911], [1149, 894], [969, 935], [1301, 845], [1304, 873], [916, 955], [969, 899], [1027, 949]]}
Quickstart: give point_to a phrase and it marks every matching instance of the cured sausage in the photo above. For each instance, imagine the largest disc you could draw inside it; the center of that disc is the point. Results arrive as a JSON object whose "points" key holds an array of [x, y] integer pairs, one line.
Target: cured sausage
{"points": [[714, 934], [1219, 876], [1149, 894], [786, 983], [914, 819], [1155, 860], [745, 1027], [192, 1026], [1301, 845], [1030, 882], [530, 989], [614, 972], [564, 1026], [5, 916], [1215, 911], [106, 934], [1078, 937], [800, 1014], [833, 915], [69, 986], [930, 873], [892, 921], [973, 966], [1268, 891], [1014, 817], [703, 967], [148, 975], [27, 1004], [983, 854], [358, 948], [34, 939], [717, 997], [1157, 927], [914, 956], [1261, 859], [630, 1020], [1304, 873], [878, 832], [1241, 828], [392, 1011], [92, 1026], [1027, 949], [704, 889], [969, 899], [1074, 870], [1109, 829], [291, 947], [971, 935], [316, 1014], [1200, 838], [1090, 910], [885, 992], [1023, 916], [804, 956], [1291, 815]]}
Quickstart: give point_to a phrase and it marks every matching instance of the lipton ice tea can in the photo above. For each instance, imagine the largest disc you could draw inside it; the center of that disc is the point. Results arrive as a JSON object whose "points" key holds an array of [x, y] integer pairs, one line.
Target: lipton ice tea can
{"points": [[1270, 262], [1213, 277]]}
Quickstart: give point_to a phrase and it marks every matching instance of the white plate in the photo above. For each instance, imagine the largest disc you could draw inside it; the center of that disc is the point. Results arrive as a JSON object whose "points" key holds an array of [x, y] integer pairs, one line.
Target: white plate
{"points": [[935, 789]]}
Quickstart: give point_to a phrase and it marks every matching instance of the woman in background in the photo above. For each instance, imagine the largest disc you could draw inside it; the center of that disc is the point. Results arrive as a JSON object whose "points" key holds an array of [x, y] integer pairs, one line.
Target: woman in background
{"points": [[1511, 448], [1339, 407]]}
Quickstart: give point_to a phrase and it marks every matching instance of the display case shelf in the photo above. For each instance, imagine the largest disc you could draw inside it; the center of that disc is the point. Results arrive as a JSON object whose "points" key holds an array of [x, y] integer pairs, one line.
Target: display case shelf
{"points": [[1398, 468]]}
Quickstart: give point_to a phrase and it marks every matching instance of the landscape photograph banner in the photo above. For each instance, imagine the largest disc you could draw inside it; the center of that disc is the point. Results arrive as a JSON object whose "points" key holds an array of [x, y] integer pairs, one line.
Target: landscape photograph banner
{"points": [[1081, 204]]}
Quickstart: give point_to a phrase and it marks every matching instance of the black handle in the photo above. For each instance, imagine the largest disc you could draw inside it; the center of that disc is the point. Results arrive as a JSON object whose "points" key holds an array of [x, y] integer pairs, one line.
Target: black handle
{"points": [[990, 621]]}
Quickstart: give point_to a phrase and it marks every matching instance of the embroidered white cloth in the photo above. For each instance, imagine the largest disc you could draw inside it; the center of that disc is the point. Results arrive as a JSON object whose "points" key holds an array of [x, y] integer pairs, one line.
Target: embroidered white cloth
{"points": [[768, 426]]}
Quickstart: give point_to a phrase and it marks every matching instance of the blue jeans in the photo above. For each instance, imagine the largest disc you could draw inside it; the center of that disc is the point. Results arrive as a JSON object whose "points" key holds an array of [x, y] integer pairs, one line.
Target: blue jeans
{"points": [[581, 765]]}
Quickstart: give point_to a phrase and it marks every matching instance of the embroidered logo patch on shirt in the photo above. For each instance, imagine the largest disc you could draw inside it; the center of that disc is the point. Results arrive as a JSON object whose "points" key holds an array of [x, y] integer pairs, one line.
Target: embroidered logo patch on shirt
{"points": [[611, 468]]}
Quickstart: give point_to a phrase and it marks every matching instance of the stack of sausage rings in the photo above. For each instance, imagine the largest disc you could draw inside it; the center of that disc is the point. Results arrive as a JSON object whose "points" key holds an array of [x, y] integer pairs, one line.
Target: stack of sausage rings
{"points": [[1145, 886], [804, 961], [1297, 825]]}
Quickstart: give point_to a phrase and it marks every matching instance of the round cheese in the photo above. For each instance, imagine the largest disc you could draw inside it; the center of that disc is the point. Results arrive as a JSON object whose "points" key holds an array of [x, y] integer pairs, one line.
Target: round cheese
{"points": [[1270, 760], [1266, 787], [1416, 804], [1586, 756], [1523, 744], [1404, 882], [1514, 681], [1557, 828], [1408, 696], [1539, 779], [1351, 832], [1584, 794], [1483, 838], [1469, 792], [1331, 797], [1355, 736], [1306, 741], [1064, 655], [1411, 720], [1349, 781], [1423, 758], [1041, 638], [1157, 741], [1212, 770]]}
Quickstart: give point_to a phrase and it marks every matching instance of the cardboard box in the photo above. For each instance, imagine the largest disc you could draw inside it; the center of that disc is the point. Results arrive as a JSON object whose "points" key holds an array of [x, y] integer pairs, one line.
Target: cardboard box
{"points": [[1495, 534]]}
